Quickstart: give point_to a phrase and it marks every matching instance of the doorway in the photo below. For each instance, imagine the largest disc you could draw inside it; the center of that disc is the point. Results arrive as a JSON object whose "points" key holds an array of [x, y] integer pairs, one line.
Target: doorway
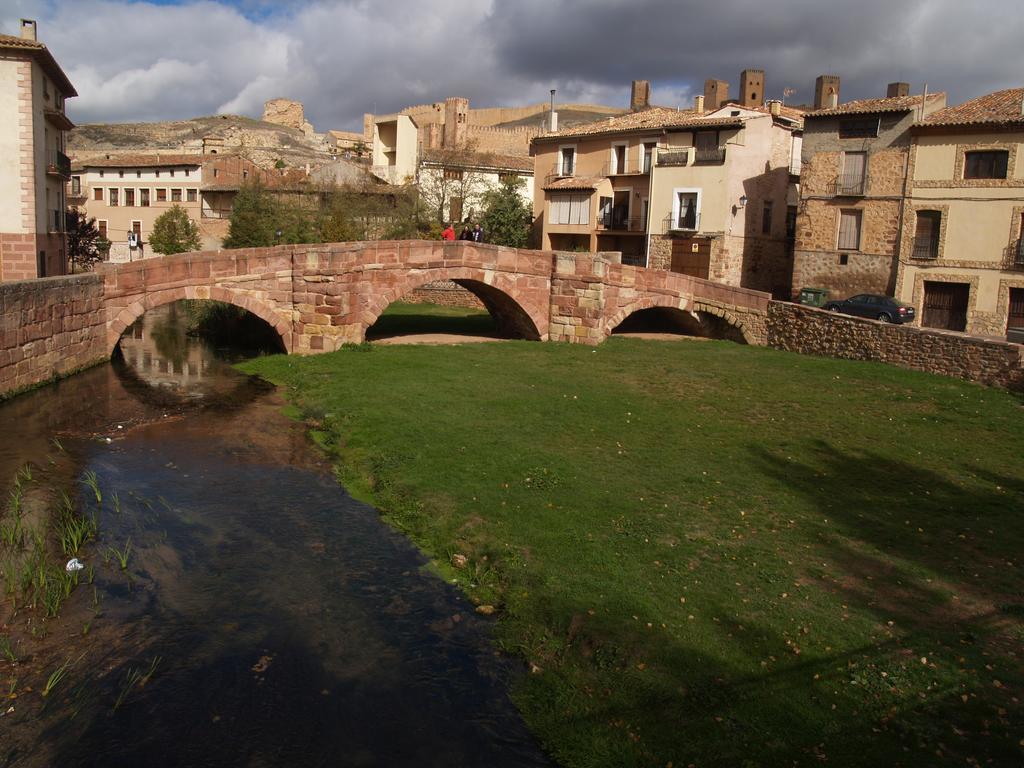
{"points": [[945, 305], [1015, 315]]}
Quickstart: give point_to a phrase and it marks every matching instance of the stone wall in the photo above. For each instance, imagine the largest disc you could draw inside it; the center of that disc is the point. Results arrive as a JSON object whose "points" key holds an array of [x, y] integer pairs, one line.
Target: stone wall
{"points": [[446, 293], [811, 331], [49, 327]]}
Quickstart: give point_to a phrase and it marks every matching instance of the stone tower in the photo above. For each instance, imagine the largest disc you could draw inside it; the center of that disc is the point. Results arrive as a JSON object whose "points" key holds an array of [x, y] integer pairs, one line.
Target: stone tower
{"points": [[456, 118], [752, 87], [897, 89], [826, 91], [716, 93], [640, 95]]}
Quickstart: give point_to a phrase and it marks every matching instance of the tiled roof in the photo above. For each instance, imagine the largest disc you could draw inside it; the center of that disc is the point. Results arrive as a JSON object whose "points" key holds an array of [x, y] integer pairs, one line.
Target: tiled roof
{"points": [[647, 119], [456, 158], [156, 160], [999, 108], [874, 106], [42, 54], [576, 182]]}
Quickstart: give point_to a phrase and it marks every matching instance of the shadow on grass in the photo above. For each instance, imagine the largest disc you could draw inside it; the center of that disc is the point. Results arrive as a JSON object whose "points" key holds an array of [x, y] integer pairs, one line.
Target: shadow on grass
{"points": [[414, 319]]}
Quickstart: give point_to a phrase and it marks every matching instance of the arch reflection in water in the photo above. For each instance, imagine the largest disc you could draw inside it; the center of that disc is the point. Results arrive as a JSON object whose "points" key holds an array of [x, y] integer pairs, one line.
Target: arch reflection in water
{"points": [[186, 348]]}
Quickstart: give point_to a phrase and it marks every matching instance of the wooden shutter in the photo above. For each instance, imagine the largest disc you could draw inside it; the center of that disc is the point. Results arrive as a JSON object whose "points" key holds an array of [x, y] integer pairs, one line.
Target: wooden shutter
{"points": [[849, 230], [853, 165]]}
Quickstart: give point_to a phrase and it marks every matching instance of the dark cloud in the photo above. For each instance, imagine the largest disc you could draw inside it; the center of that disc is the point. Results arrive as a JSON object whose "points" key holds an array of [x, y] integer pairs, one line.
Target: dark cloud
{"points": [[145, 61]]}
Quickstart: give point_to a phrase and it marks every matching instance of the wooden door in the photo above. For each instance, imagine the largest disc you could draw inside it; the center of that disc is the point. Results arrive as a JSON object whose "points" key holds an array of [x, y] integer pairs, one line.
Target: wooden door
{"points": [[945, 305], [691, 257], [1015, 317]]}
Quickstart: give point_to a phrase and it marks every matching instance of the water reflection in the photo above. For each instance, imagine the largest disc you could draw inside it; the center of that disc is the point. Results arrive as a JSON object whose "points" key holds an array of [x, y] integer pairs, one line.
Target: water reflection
{"points": [[286, 623]]}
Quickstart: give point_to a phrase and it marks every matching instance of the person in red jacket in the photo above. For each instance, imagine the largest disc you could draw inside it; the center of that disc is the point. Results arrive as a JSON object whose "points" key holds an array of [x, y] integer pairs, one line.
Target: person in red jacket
{"points": [[449, 233]]}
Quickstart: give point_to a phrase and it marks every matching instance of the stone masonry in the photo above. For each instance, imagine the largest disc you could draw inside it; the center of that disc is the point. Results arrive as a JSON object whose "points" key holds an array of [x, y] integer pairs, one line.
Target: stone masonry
{"points": [[319, 297]]}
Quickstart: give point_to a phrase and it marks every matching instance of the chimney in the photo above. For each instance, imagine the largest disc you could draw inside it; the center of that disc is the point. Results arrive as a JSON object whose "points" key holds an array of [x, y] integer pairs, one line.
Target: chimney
{"points": [[698, 104], [752, 87], [716, 93], [826, 91], [775, 107], [640, 95], [28, 29], [897, 89]]}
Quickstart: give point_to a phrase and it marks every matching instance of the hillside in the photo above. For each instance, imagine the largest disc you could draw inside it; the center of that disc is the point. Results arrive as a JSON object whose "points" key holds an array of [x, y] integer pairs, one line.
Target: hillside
{"points": [[262, 142]]}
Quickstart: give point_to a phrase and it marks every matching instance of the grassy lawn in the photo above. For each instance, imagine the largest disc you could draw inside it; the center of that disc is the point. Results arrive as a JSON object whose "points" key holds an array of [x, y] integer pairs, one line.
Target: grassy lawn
{"points": [[709, 554]]}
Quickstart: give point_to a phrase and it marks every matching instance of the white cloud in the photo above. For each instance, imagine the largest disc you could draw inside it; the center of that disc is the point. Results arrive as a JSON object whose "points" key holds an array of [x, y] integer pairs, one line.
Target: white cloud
{"points": [[139, 61]]}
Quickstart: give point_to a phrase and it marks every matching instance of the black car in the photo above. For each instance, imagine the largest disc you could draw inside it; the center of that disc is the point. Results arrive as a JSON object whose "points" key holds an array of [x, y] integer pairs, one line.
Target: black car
{"points": [[885, 309]]}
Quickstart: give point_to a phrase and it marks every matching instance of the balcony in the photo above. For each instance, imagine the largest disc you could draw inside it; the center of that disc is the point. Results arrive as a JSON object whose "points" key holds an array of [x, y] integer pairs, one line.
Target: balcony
{"points": [[715, 156], [624, 169], [1014, 255], [58, 118], [848, 185], [611, 223], [672, 224], [557, 173], [58, 164], [674, 156], [925, 250]]}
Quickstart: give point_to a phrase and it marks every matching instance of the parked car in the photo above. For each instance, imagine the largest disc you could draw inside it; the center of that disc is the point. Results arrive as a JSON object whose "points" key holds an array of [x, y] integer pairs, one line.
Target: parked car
{"points": [[885, 309]]}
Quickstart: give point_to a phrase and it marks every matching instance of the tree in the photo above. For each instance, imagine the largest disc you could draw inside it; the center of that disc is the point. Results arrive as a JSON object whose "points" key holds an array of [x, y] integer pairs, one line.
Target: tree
{"points": [[85, 244], [259, 218], [174, 232], [507, 217]]}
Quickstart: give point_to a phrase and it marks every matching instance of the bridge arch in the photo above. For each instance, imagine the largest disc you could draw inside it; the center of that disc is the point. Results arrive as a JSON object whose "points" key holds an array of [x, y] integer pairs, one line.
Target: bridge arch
{"points": [[132, 312], [699, 311], [514, 313]]}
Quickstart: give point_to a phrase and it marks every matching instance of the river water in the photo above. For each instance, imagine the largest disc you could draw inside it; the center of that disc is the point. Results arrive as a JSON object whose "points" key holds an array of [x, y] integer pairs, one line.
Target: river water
{"points": [[264, 617]]}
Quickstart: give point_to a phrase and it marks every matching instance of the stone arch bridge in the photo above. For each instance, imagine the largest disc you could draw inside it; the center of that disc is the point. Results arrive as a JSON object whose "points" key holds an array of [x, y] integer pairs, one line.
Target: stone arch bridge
{"points": [[319, 297]]}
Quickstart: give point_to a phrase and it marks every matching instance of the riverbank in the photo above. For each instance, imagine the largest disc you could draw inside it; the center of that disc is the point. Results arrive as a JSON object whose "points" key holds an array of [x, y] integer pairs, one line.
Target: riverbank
{"points": [[709, 554]]}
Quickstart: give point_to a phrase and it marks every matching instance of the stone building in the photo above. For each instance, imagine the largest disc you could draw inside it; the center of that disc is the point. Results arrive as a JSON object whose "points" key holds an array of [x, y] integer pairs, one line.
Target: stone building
{"points": [[962, 240], [705, 193], [852, 183], [33, 166]]}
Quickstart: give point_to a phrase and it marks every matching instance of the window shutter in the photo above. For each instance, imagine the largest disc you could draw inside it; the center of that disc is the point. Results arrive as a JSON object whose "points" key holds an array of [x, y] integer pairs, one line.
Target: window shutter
{"points": [[849, 230]]}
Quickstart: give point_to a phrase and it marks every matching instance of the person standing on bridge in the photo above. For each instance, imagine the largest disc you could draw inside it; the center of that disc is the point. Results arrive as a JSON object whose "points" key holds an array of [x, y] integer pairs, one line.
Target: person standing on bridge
{"points": [[449, 232], [478, 234]]}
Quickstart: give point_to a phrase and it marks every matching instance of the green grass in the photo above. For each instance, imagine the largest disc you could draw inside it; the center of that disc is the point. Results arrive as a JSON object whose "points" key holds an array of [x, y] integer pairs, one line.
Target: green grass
{"points": [[400, 319], [709, 553]]}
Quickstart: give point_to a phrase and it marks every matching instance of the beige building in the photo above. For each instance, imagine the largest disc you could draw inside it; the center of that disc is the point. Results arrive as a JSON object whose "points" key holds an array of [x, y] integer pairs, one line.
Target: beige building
{"points": [[962, 239], [703, 193], [33, 166], [853, 178], [127, 193]]}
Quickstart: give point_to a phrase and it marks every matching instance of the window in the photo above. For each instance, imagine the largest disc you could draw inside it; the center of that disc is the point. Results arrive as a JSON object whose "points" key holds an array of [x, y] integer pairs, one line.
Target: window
{"points": [[245, 174], [161, 195], [453, 174], [216, 172], [137, 229], [858, 128], [172, 173], [175, 195], [158, 174], [190, 195], [101, 227], [766, 218], [686, 207], [101, 174], [619, 158], [120, 174], [990, 164], [567, 161], [851, 181], [144, 198], [849, 230], [129, 197], [97, 193], [138, 174], [570, 209], [113, 197], [76, 185], [649, 148], [187, 171], [791, 222], [926, 235]]}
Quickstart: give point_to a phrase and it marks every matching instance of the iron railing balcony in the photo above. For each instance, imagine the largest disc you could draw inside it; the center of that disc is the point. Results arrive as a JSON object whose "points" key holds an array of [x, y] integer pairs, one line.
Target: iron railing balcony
{"points": [[674, 156], [633, 260], [613, 223], [925, 250], [849, 185], [56, 220], [672, 223], [714, 156], [1014, 258], [58, 164], [557, 173], [628, 168]]}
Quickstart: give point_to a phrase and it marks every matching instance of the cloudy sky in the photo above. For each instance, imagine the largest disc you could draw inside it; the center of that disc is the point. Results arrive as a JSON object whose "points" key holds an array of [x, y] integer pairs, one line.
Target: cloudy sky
{"points": [[168, 59]]}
